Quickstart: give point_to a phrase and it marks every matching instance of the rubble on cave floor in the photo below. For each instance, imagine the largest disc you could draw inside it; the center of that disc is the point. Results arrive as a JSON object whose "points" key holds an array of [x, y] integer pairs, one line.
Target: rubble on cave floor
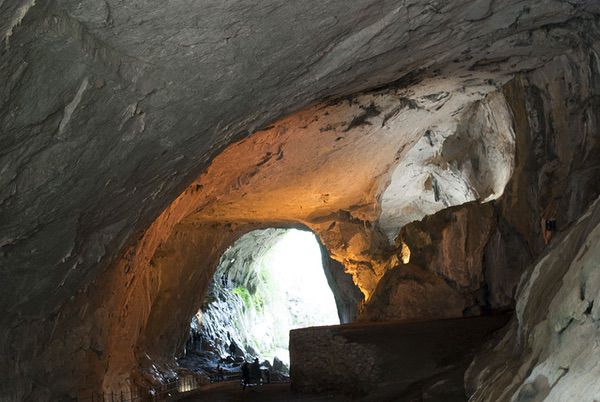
{"points": [[205, 364]]}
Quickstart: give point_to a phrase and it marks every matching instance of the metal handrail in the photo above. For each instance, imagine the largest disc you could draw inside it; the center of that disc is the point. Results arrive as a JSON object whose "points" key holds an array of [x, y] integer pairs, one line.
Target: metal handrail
{"points": [[166, 390]]}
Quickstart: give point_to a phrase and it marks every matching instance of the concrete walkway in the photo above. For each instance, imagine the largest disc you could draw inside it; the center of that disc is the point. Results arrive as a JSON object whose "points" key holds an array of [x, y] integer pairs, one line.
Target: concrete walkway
{"points": [[231, 391], [408, 362]]}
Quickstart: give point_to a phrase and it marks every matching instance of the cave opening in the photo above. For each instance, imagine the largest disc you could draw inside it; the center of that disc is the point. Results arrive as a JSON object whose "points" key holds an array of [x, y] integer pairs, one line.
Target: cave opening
{"points": [[266, 283]]}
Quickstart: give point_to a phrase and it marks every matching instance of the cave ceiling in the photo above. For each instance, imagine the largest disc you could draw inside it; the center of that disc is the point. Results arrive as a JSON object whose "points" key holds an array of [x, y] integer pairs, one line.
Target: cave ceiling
{"points": [[111, 109]]}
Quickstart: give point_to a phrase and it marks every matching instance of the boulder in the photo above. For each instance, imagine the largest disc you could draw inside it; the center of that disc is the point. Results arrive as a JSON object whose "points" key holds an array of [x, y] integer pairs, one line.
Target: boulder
{"points": [[410, 292]]}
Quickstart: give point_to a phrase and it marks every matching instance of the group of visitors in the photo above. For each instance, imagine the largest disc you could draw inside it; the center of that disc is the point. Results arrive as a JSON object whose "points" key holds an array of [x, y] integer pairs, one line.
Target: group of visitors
{"points": [[252, 373]]}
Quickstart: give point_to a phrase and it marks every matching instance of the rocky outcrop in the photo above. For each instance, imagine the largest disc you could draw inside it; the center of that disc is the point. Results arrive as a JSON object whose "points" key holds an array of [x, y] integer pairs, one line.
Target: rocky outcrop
{"points": [[556, 126], [483, 250], [451, 243], [452, 164], [347, 296], [550, 352], [408, 292], [446, 273]]}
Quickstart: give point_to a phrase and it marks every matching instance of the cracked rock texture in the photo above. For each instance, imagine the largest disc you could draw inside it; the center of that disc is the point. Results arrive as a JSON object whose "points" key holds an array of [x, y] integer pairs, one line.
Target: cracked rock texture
{"points": [[409, 292], [452, 165], [289, 174], [112, 220], [445, 275], [550, 351]]}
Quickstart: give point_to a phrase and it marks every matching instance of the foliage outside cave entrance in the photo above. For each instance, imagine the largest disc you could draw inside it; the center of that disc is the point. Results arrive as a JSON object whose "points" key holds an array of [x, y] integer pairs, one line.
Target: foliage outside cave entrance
{"points": [[267, 282]]}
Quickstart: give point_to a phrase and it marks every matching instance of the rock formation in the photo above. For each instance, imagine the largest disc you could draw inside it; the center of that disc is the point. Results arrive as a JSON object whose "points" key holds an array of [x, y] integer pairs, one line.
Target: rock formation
{"points": [[550, 351], [138, 141], [268, 282]]}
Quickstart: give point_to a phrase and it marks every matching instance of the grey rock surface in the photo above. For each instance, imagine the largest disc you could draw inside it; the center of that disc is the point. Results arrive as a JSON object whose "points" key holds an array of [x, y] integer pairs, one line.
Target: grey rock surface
{"points": [[550, 352], [109, 110]]}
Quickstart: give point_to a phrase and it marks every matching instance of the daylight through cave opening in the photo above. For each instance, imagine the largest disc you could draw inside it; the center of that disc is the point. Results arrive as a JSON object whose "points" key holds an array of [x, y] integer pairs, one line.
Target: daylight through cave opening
{"points": [[267, 283]]}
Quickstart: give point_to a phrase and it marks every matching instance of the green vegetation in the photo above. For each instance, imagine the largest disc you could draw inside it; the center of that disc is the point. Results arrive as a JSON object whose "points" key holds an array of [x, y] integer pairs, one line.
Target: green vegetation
{"points": [[251, 301], [243, 293]]}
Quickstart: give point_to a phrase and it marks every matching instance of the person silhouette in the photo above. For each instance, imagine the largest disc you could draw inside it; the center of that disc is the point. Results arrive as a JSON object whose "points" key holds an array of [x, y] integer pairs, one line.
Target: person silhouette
{"points": [[245, 374], [255, 371]]}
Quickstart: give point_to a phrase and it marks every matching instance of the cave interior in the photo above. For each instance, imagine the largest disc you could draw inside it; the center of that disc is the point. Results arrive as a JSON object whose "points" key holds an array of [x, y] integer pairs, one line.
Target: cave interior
{"points": [[380, 200]]}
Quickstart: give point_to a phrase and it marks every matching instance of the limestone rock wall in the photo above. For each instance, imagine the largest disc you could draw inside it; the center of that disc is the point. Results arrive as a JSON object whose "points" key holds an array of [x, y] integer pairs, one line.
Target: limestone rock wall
{"points": [[117, 129], [450, 243], [110, 111], [483, 250], [550, 351], [556, 119], [348, 296], [446, 273], [409, 292], [453, 163]]}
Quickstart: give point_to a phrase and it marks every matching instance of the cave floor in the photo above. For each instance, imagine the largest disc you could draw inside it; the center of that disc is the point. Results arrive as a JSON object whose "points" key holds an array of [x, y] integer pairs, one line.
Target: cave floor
{"points": [[421, 360], [231, 391]]}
